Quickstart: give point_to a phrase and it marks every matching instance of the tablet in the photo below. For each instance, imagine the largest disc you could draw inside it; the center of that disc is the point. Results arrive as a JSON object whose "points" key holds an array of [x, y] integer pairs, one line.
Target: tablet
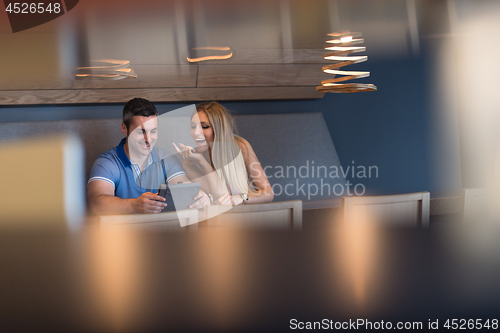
{"points": [[178, 196]]}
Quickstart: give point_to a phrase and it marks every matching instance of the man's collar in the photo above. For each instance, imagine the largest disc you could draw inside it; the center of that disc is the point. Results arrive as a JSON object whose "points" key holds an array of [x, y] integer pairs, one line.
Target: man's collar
{"points": [[120, 151]]}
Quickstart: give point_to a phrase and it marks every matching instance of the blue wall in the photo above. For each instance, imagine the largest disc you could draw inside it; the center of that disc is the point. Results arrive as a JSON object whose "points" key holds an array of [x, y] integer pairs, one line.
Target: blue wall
{"points": [[388, 128]]}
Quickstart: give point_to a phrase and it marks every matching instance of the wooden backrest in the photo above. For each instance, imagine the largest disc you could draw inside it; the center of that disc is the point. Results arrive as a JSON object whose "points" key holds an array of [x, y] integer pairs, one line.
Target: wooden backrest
{"points": [[410, 209], [474, 204], [168, 220], [280, 215], [285, 215]]}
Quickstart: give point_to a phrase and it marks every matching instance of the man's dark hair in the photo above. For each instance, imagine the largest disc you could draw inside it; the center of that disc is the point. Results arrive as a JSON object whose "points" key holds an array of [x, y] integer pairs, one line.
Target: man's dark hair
{"points": [[137, 107]]}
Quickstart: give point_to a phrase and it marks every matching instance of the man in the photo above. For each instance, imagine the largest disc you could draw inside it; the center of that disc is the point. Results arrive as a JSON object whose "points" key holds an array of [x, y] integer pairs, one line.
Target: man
{"points": [[126, 179]]}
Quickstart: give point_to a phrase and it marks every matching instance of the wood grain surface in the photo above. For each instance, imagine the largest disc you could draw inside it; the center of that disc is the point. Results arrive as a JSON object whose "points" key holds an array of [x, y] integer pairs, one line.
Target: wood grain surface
{"points": [[260, 75], [272, 56], [34, 97]]}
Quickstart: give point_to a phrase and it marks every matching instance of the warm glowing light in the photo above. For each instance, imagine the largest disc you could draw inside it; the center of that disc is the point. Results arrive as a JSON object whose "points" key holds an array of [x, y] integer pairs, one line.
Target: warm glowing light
{"points": [[346, 41], [340, 53], [218, 48], [110, 69], [111, 64], [211, 56], [98, 75], [351, 49]]}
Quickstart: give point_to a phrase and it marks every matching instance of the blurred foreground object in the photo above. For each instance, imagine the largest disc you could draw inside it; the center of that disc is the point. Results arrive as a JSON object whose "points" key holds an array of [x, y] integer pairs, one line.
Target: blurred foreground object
{"points": [[341, 47], [42, 183], [410, 209], [480, 206], [240, 280]]}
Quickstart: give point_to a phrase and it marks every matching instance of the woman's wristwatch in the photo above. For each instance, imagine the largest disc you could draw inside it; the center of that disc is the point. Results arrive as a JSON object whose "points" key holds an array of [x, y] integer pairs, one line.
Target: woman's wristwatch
{"points": [[244, 196], [211, 199]]}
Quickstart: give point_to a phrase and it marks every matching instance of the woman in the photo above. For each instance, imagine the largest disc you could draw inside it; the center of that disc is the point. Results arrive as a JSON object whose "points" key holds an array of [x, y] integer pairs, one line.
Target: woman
{"points": [[223, 163]]}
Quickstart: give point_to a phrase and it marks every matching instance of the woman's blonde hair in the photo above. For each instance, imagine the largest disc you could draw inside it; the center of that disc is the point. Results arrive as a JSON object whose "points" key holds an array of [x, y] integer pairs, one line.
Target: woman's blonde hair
{"points": [[226, 155]]}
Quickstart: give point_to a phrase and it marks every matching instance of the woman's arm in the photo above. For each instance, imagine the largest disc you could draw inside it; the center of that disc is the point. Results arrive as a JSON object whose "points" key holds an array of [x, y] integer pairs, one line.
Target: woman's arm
{"points": [[200, 171], [256, 174]]}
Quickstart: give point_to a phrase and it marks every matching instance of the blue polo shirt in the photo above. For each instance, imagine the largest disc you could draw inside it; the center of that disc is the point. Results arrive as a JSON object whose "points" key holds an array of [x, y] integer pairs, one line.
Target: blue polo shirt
{"points": [[114, 167]]}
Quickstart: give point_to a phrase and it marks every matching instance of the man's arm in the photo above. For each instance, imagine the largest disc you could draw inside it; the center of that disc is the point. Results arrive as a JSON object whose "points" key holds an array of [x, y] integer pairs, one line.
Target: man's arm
{"points": [[102, 201]]}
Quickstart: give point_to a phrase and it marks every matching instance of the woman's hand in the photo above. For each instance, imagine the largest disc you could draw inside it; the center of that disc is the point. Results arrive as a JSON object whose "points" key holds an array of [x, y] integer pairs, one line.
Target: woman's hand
{"points": [[201, 201], [188, 153], [229, 200]]}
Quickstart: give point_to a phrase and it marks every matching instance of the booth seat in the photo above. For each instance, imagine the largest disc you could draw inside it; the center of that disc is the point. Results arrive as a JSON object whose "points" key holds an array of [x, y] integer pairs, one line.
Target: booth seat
{"points": [[295, 149]]}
